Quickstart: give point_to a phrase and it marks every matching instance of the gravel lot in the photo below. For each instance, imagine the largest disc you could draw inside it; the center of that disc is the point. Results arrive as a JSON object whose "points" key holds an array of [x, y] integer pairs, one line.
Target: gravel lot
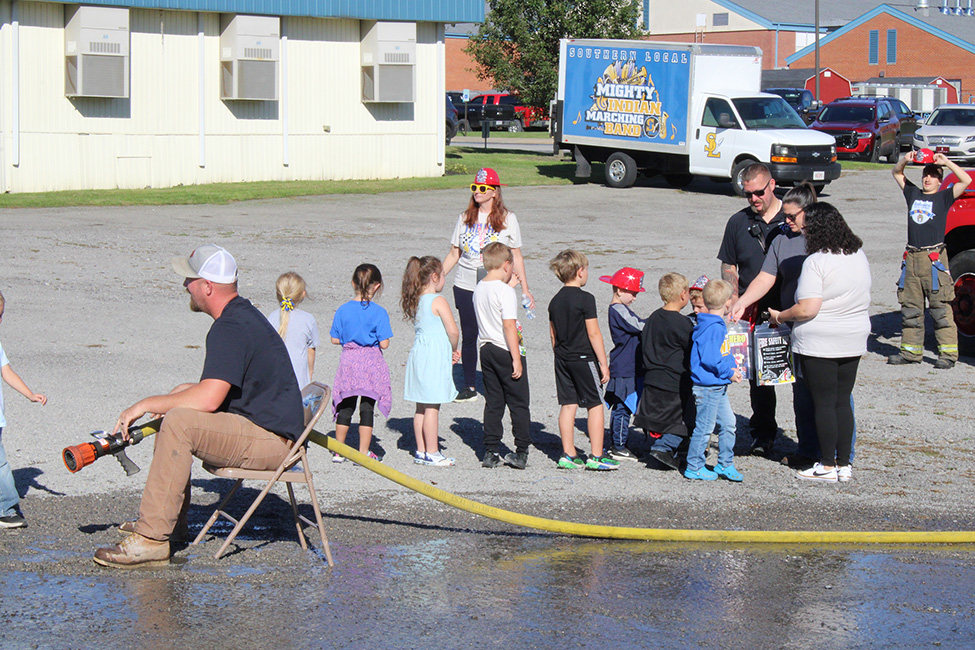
{"points": [[96, 318]]}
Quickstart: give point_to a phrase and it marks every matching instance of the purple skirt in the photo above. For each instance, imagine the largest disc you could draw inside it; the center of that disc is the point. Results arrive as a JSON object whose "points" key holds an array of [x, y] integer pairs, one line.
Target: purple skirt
{"points": [[362, 372]]}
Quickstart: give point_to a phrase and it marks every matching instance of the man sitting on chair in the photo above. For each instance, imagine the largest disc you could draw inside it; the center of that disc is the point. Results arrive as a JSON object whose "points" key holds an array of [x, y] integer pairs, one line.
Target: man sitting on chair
{"points": [[244, 412]]}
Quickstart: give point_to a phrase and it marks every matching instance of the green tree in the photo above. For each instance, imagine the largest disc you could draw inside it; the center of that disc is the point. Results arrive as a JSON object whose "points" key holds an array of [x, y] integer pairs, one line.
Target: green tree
{"points": [[517, 47]]}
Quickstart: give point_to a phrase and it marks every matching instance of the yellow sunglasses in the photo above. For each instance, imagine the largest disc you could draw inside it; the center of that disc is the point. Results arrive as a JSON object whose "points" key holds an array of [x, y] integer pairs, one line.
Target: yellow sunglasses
{"points": [[477, 188]]}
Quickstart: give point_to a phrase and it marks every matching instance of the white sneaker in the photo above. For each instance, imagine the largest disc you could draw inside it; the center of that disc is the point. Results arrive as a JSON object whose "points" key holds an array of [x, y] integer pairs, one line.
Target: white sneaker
{"points": [[818, 473], [439, 460], [338, 459], [844, 473]]}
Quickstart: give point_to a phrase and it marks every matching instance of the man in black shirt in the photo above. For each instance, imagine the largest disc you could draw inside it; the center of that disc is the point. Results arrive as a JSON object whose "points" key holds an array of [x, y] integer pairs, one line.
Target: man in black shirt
{"points": [[924, 271], [747, 237], [244, 412]]}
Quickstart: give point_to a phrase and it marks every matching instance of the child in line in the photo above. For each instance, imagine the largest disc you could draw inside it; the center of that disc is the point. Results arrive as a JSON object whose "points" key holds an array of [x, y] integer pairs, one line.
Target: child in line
{"points": [[296, 326], [625, 380], [580, 360], [362, 328], [9, 497], [666, 404], [712, 369], [696, 296], [429, 381], [503, 365]]}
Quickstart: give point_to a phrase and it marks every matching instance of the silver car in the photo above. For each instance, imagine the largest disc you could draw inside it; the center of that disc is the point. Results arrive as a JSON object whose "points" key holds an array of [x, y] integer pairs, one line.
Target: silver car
{"points": [[950, 130]]}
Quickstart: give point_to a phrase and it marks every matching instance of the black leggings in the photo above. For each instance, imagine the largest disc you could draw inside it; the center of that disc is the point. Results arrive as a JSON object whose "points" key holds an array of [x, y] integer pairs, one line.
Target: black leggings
{"points": [[464, 301], [830, 383], [347, 406]]}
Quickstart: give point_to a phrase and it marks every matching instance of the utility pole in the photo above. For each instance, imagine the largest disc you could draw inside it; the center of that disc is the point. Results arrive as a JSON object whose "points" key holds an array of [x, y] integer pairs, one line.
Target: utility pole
{"points": [[817, 50]]}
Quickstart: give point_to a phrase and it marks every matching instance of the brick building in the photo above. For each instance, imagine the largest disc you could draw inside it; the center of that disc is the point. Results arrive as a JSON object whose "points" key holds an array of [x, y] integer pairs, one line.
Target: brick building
{"points": [[889, 43]]}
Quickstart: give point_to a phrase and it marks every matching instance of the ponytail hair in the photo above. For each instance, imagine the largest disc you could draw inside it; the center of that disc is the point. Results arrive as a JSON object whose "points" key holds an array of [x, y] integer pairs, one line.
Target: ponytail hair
{"points": [[802, 195], [290, 289], [419, 271], [364, 276]]}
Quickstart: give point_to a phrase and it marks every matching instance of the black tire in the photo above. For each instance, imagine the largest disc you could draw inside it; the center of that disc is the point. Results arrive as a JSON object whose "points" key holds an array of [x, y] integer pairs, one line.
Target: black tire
{"points": [[620, 170], [736, 173], [463, 126], [875, 151], [961, 263], [515, 126], [679, 180]]}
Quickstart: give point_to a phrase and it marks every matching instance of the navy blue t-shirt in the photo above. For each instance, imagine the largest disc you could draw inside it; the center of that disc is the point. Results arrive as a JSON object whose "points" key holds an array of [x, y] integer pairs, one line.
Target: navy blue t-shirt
{"points": [[244, 350]]}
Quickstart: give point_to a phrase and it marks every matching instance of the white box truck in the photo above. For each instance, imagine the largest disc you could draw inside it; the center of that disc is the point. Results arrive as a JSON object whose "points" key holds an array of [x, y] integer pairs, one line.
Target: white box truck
{"points": [[680, 109]]}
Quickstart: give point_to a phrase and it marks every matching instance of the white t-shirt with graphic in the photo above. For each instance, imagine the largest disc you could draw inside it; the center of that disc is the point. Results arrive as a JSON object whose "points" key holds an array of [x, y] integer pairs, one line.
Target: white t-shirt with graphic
{"points": [[471, 240]]}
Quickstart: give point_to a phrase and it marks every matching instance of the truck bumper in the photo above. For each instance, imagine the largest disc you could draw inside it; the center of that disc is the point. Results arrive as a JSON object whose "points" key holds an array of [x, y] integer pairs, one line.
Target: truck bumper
{"points": [[785, 173]]}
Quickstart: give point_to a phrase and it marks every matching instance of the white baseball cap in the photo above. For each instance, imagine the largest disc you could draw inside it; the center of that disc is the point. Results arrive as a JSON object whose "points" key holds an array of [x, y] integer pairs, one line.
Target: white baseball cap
{"points": [[210, 262]]}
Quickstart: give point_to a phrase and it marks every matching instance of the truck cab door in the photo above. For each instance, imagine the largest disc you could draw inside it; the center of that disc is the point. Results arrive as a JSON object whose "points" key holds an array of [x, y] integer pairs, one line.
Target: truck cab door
{"points": [[713, 146]]}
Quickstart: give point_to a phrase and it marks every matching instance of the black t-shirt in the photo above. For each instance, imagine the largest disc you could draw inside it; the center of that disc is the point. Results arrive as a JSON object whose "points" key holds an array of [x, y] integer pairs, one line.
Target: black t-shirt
{"points": [[244, 350], [927, 215], [746, 238], [666, 346], [568, 311]]}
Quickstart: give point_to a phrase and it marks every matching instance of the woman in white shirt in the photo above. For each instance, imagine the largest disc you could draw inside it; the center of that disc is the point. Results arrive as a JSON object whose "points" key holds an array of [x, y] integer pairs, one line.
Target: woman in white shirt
{"points": [[830, 335], [486, 220]]}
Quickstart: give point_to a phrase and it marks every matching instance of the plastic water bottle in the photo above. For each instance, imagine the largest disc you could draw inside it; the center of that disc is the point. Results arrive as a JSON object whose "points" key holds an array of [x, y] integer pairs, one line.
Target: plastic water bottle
{"points": [[526, 303]]}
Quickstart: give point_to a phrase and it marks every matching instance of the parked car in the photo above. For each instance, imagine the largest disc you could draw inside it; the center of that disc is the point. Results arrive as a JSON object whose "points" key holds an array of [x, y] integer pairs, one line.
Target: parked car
{"points": [[800, 99], [949, 130], [526, 116], [452, 121], [864, 127]]}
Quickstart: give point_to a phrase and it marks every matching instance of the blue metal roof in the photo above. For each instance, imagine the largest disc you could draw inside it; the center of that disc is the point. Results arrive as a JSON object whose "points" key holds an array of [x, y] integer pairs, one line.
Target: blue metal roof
{"points": [[438, 11]]}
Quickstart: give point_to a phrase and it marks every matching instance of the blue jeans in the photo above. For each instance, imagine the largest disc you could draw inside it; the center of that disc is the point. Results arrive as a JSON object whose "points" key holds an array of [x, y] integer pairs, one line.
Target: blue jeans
{"points": [[802, 404], [668, 442], [619, 424], [9, 498], [713, 408]]}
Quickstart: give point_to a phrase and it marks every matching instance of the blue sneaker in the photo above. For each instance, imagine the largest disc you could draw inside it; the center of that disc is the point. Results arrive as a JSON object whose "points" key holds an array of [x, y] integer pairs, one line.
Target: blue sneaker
{"points": [[729, 473], [703, 474]]}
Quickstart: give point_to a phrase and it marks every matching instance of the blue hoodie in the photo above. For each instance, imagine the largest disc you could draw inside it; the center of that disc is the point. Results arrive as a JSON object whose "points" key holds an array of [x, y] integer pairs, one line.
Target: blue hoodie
{"points": [[711, 360]]}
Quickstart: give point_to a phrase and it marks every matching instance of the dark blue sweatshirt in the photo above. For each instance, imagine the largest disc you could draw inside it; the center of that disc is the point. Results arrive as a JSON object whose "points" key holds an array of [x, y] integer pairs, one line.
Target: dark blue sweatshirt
{"points": [[624, 328], [711, 360]]}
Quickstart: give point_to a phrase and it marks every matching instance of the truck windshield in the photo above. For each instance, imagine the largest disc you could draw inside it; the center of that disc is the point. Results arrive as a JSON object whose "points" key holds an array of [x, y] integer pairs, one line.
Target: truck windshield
{"points": [[767, 113], [841, 113]]}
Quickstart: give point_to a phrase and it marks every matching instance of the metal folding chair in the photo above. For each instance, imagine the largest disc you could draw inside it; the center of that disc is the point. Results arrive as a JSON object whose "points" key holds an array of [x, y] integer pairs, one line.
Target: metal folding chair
{"points": [[315, 399]]}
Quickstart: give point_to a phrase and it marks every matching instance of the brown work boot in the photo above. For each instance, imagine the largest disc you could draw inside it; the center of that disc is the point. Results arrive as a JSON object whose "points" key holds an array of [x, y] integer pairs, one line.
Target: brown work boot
{"points": [[134, 551], [180, 534]]}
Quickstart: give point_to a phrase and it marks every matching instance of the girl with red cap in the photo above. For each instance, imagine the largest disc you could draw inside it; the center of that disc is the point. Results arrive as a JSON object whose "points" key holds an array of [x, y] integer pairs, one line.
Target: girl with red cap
{"points": [[485, 220]]}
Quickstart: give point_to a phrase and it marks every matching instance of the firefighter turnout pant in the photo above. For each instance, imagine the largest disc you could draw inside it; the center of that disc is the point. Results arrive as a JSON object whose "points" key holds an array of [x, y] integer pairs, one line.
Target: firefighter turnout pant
{"points": [[925, 276]]}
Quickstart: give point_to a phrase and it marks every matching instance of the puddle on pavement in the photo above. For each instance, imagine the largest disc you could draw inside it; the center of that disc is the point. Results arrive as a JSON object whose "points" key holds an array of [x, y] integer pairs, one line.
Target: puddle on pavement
{"points": [[506, 591]]}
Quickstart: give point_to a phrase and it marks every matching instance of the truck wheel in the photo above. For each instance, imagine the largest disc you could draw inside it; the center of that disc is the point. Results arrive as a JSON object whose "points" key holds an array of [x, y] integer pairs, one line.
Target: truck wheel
{"points": [[620, 170], [463, 126], [962, 267], [737, 172], [679, 180], [875, 151], [515, 126]]}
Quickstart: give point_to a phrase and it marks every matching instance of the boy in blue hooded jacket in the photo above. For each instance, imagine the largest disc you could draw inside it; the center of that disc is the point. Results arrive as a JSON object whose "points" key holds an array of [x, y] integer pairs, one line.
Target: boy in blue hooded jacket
{"points": [[712, 369]]}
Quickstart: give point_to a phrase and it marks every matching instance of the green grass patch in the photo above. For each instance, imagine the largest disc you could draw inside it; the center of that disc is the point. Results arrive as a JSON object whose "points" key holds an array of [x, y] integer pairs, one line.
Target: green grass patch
{"points": [[516, 168]]}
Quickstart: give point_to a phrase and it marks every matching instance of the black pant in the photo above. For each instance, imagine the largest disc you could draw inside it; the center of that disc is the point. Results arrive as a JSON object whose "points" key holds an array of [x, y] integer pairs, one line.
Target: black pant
{"points": [[464, 301], [762, 422], [830, 382], [501, 390]]}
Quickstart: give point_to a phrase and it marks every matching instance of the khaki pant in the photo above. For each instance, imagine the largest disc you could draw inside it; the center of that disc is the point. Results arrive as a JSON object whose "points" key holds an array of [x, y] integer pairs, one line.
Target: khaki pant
{"points": [[222, 439], [917, 288]]}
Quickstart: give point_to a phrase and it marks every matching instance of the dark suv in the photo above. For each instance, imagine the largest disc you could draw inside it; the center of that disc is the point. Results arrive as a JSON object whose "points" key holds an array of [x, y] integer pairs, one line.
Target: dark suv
{"points": [[867, 127], [800, 99]]}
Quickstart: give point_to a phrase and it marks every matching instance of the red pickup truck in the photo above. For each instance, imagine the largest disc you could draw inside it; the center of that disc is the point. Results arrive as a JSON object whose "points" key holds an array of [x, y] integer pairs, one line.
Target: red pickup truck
{"points": [[527, 116]]}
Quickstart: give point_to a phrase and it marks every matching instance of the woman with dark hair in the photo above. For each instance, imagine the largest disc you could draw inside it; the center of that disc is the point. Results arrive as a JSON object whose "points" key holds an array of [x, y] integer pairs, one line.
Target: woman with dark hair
{"points": [[830, 333], [484, 221]]}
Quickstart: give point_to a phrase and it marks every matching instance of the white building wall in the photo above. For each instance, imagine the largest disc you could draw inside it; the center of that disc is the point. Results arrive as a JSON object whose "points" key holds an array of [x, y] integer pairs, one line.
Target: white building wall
{"points": [[152, 138], [668, 18]]}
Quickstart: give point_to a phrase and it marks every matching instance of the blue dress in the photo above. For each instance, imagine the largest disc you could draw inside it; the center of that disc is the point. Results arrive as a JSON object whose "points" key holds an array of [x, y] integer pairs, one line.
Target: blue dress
{"points": [[429, 378]]}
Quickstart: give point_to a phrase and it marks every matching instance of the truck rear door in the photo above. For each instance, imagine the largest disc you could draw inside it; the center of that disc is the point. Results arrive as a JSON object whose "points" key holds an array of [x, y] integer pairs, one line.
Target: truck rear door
{"points": [[713, 146]]}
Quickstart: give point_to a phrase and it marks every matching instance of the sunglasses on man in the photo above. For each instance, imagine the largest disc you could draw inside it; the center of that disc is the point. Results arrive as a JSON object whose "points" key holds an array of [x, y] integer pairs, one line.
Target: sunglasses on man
{"points": [[760, 192]]}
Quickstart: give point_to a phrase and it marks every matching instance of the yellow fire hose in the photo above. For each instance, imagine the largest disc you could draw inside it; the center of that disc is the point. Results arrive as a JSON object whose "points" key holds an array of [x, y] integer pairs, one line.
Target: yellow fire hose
{"points": [[649, 534], [80, 455]]}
